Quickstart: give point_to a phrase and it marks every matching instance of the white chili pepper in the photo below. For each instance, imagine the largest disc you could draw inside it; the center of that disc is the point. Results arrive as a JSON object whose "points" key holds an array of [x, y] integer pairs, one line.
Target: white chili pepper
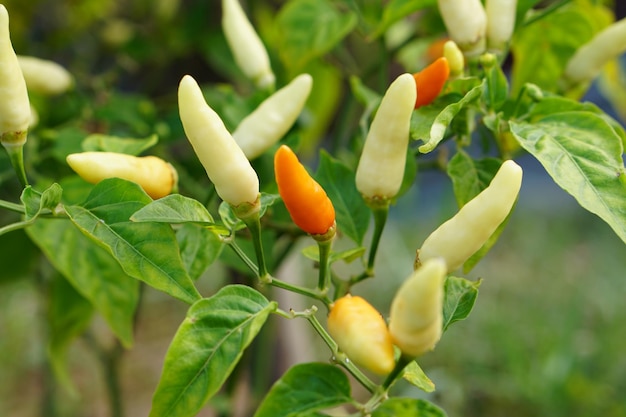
{"points": [[15, 114], [465, 233], [244, 42], [589, 59], [416, 314], [466, 22], [269, 122], [235, 180], [500, 23], [381, 166], [456, 60], [44, 76]]}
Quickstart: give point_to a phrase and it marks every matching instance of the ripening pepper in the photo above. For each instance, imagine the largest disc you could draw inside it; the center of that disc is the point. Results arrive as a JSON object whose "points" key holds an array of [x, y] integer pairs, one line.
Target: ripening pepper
{"points": [[430, 81], [466, 23], [456, 60], [15, 114], [157, 177], [235, 180], [381, 165], [589, 59], [44, 76], [246, 46], [500, 23], [465, 233], [271, 120], [416, 314], [308, 205], [361, 333]]}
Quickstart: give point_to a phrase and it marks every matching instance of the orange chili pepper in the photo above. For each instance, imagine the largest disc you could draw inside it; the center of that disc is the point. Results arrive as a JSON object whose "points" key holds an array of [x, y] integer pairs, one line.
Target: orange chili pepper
{"points": [[307, 202], [430, 81]]}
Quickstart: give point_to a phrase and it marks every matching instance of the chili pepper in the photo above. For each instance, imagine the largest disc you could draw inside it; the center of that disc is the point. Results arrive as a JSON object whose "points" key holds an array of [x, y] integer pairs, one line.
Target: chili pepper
{"points": [[500, 23], [248, 50], [456, 60], [461, 236], [307, 202], [466, 22], [15, 114], [226, 165], [416, 314], [44, 76], [430, 81], [157, 177], [589, 59], [269, 122], [361, 333], [381, 165]]}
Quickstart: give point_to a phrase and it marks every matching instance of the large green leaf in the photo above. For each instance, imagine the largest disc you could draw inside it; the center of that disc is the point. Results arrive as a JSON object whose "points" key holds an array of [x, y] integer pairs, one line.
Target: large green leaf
{"points": [[408, 407], [304, 389], [98, 142], [460, 296], [206, 348], [583, 154], [298, 43], [92, 271], [174, 208], [352, 213], [146, 251], [199, 248]]}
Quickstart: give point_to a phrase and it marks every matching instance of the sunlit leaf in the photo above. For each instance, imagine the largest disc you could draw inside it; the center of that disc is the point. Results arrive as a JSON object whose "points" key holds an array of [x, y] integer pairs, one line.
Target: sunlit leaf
{"points": [[174, 208], [414, 375], [408, 407], [459, 298], [98, 142]]}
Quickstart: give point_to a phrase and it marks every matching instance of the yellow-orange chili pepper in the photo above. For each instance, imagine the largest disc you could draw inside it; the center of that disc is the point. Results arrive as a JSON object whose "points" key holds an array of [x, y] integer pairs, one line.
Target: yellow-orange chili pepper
{"points": [[430, 81], [307, 202]]}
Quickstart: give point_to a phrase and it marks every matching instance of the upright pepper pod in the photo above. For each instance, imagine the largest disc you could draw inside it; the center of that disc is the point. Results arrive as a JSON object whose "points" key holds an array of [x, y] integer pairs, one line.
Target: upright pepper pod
{"points": [[44, 76], [15, 113], [500, 23], [271, 120], [307, 202], [430, 81], [416, 314], [157, 177], [235, 180], [381, 166], [248, 50], [456, 60], [589, 59], [361, 333], [466, 22], [461, 236]]}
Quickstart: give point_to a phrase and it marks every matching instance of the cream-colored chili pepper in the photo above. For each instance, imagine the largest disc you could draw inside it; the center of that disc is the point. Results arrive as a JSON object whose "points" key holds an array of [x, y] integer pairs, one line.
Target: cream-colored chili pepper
{"points": [[456, 60], [500, 23], [235, 180], [269, 122], [44, 76], [466, 22], [465, 233]]}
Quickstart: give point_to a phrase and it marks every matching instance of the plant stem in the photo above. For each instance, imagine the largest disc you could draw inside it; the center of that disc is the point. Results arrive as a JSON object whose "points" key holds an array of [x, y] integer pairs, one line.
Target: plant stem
{"points": [[254, 225], [242, 255], [298, 289], [15, 226], [324, 275], [18, 208], [380, 219], [16, 155]]}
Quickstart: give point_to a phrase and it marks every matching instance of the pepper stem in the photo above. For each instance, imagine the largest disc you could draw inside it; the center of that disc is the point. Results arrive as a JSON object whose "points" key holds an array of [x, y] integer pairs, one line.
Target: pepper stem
{"points": [[254, 225], [324, 273], [380, 213], [16, 155]]}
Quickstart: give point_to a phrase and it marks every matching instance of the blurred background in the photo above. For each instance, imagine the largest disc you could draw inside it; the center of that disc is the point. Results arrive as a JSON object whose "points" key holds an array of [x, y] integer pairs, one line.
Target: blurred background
{"points": [[547, 336]]}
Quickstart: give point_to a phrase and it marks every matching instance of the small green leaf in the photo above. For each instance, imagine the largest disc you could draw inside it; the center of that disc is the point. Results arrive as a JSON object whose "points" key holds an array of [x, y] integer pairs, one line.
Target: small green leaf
{"points": [[174, 208], [495, 88], [35, 202], [206, 348], [459, 298], [98, 142], [414, 374], [304, 389], [352, 213], [199, 248], [368, 98], [408, 407], [469, 177]]}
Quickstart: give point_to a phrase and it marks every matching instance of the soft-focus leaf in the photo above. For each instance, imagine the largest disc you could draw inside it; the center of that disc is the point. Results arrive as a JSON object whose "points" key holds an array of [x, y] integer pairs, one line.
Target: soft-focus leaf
{"points": [[496, 87], [459, 298], [352, 213], [469, 176], [416, 376], [174, 208], [397, 9], [146, 251], [34, 201], [583, 154], [98, 142], [206, 348], [304, 389], [17, 250], [408, 407], [199, 248]]}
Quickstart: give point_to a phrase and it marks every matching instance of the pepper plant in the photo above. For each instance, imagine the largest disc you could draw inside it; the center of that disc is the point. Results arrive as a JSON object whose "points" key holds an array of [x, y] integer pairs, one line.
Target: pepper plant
{"points": [[111, 223]]}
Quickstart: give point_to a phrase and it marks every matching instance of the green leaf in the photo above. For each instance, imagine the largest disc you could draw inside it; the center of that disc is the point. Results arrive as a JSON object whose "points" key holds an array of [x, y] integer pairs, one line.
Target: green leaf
{"points": [[459, 298], [206, 348], [233, 223], [398, 9], [174, 208], [414, 374], [368, 98], [408, 407], [304, 389], [583, 154], [349, 255], [17, 250], [352, 213], [35, 202], [98, 142], [146, 251], [496, 87], [298, 44], [469, 177], [95, 274], [199, 248], [444, 118], [69, 315]]}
